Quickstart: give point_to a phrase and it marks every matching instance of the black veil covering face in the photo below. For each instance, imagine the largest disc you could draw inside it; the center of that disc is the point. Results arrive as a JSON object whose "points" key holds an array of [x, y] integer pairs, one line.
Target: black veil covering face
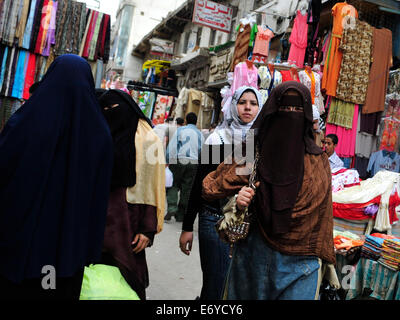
{"points": [[122, 115], [284, 134], [55, 164]]}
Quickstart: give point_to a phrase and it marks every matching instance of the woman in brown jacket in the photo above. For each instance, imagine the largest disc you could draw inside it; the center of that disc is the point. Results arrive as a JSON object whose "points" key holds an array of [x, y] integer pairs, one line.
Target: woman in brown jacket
{"points": [[292, 223]]}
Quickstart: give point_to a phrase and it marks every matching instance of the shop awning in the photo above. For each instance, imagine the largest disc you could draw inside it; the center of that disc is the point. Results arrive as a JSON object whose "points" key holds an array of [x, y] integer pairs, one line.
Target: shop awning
{"points": [[198, 58]]}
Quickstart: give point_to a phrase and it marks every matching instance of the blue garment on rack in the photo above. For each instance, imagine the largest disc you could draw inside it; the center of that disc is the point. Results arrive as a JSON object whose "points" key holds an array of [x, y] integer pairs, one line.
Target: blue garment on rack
{"points": [[384, 160], [19, 76], [3, 67], [28, 26]]}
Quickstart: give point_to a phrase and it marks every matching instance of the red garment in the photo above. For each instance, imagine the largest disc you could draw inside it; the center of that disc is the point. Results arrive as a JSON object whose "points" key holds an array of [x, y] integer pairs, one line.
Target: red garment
{"points": [[103, 35], [30, 75], [41, 30], [89, 35], [394, 201], [287, 76], [353, 211]]}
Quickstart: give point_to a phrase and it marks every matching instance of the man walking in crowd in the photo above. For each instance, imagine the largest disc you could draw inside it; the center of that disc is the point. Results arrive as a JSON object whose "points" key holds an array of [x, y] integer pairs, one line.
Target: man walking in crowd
{"points": [[330, 142], [163, 131], [182, 157]]}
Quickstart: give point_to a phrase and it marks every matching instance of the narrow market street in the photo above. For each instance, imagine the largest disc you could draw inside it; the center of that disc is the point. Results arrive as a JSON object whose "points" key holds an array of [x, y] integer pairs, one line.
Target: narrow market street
{"points": [[173, 275]]}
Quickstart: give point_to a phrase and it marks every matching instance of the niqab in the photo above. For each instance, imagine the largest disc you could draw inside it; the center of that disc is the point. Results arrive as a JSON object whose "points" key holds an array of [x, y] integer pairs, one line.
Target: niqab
{"points": [[283, 138], [123, 121]]}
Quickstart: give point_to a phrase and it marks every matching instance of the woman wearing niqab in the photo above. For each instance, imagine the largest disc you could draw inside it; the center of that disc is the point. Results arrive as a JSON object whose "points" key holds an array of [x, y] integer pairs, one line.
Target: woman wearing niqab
{"points": [[137, 199], [55, 164], [291, 232]]}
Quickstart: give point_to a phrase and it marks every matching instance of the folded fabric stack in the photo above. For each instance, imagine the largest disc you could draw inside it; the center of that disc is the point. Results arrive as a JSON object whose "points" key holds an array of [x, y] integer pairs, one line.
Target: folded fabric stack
{"points": [[390, 254], [372, 247]]}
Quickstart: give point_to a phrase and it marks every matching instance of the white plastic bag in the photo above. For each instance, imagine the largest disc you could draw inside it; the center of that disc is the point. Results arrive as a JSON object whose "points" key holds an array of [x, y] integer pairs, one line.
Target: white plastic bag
{"points": [[169, 178]]}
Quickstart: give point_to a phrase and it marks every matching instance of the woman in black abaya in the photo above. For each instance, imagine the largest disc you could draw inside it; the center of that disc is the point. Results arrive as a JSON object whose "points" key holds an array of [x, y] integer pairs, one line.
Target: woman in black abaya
{"points": [[55, 170]]}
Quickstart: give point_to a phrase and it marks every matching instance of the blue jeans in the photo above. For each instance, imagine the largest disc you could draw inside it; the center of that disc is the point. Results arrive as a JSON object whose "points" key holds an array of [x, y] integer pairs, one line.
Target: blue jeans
{"points": [[214, 257], [258, 272]]}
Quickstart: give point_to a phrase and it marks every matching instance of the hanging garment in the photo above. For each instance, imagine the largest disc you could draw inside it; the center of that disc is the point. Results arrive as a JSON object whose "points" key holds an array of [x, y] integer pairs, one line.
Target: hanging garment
{"points": [[29, 24], [93, 43], [30, 75], [50, 37], [341, 113], [340, 11], [160, 108], [314, 12], [3, 65], [347, 137], [383, 160], [11, 25], [261, 45], [207, 107], [379, 73], [19, 75], [106, 24], [356, 45], [268, 81], [19, 32], [240, 52], [313, 82], [369, 122], [390, 135], [298, 40], [244, 76]]}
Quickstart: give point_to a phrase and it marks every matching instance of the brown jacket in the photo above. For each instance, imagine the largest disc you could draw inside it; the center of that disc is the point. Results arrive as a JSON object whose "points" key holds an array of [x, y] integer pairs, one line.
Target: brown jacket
{"points": [[311, 231]]}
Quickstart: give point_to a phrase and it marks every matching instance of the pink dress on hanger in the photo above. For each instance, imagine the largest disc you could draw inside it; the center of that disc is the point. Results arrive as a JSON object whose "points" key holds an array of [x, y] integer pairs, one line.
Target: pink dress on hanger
{"points": [[298, 40], [347, 137], [244, 76]]}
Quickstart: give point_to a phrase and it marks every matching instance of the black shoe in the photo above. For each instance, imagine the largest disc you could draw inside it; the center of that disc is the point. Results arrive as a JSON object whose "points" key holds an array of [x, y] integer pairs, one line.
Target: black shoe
{"points": [[168, 216]]}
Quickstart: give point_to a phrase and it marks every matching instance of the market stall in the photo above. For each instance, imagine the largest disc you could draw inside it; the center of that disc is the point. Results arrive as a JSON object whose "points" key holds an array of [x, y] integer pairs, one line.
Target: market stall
{"points": [[33, 33]]}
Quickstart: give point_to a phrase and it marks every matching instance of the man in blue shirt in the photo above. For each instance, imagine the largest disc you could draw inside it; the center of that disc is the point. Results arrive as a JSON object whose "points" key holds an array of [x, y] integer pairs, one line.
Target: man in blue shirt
{"points": [[182, 156]]}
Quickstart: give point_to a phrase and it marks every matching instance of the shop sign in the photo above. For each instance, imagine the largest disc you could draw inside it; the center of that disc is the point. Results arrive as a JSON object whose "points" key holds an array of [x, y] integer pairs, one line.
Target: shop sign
{"points": [[162, 46], [220, 65], [214, 15]]}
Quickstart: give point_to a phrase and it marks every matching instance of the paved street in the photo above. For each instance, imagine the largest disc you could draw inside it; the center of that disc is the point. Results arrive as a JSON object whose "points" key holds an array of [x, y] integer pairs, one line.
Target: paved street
{"points": [[173, 275]]}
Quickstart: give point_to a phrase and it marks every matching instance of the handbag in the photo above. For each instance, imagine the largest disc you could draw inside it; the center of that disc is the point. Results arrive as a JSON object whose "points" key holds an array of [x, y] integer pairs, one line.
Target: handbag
{"points": [[104, 282], [235, 224]]}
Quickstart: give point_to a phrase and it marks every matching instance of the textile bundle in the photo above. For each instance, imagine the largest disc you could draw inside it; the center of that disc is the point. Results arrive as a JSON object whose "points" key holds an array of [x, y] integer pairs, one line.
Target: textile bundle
{"points": [[390, 254], [372, 247]]}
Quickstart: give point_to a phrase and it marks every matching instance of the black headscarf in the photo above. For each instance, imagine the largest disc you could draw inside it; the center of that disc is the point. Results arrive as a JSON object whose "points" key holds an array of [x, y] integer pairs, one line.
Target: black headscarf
{"points": [[283, 139], [123, 121], [55, 170]]}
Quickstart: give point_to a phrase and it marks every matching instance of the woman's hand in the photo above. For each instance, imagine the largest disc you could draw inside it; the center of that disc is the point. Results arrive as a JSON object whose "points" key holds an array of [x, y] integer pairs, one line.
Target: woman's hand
{"points": [[142, 242], [245, 196], [185, 242]]}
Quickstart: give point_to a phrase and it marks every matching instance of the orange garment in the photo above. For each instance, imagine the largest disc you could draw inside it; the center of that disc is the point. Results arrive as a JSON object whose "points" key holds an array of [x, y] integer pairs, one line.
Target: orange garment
{"points": [[334, 58], [312, 78], [342, 242]]}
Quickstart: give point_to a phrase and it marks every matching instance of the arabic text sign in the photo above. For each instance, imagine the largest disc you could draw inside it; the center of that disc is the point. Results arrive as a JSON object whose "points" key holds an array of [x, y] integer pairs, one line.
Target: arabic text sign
{"points": [[213, 15]]}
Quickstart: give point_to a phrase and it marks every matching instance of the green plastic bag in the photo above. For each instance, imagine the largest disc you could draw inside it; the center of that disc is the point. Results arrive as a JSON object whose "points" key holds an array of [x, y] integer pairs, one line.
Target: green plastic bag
{"points": [[103, 282]]}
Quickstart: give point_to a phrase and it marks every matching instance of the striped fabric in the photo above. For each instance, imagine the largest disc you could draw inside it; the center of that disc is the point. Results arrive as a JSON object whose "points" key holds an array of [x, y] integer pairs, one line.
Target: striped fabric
{"points": [[358, 227], [373, 276]]}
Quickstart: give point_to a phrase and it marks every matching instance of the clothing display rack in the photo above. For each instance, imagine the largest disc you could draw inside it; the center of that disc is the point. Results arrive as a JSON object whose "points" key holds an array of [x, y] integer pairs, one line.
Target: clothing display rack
{"points": [[34, 32]]}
